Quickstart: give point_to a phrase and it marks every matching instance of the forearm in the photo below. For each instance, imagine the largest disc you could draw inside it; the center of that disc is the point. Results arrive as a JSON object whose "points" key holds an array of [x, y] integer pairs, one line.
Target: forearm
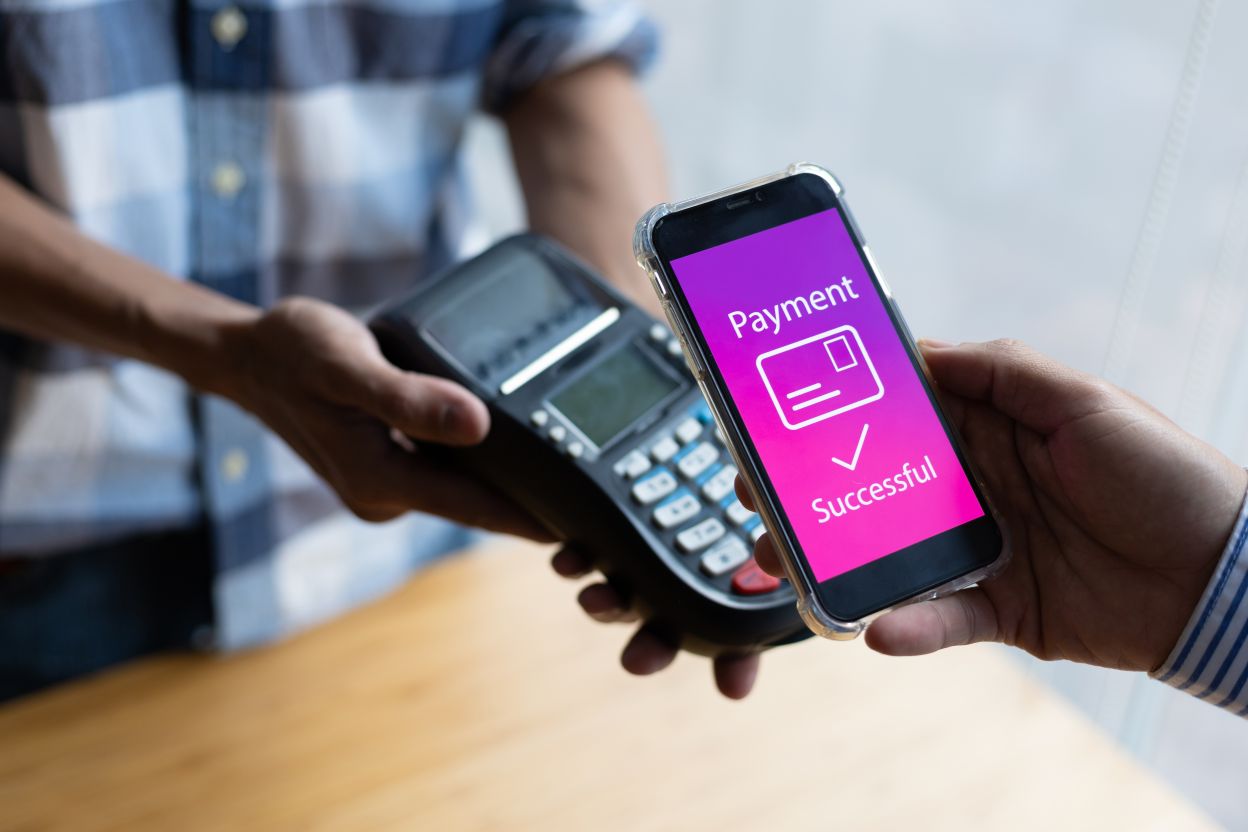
{"points": [[589, 160], [59, 285]]}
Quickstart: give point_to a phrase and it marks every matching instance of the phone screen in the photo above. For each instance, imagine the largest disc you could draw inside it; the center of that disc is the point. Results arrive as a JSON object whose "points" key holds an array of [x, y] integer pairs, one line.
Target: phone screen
{"points": [[836, 408]]}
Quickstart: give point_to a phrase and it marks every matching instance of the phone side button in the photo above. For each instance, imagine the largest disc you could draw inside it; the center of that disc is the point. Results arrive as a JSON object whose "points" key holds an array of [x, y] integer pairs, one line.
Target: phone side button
{"points": [[654, 271], [691, 358], [875, 267], [752, 580]]}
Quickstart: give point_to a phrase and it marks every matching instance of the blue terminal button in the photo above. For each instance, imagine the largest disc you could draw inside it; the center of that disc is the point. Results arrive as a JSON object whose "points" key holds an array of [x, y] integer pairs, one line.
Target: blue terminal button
{"points": [[702, 412], [683, 452], [752, 523], [654, 472], [708, 473], [676, 495]]}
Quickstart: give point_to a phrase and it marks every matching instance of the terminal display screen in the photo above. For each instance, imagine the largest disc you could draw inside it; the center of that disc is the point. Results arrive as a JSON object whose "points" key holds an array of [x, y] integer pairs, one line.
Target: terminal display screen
{"points": [[511, 317], [614, 394]]}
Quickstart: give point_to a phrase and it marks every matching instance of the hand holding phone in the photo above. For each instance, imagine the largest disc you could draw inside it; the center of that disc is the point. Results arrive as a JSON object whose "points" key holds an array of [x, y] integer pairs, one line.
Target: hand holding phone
{"points": [[1118, 515]]}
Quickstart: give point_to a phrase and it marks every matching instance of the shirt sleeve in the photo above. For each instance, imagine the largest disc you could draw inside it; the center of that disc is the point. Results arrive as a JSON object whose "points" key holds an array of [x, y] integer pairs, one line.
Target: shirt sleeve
{"points": [[543, 38], [1210, 659]]}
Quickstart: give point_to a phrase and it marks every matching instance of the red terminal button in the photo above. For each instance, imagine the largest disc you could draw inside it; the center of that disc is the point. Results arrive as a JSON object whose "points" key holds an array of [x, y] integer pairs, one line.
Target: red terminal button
{"points": [[751, 580]]}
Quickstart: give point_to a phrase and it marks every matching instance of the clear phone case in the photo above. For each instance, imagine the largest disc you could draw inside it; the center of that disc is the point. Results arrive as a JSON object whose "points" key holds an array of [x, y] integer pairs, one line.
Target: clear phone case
{"points": [[820, 620]]}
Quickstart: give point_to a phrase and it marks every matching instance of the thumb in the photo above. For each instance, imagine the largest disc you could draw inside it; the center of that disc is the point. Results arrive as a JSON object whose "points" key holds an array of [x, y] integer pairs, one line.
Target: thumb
{"points": [[1027, 386], [965, 617], [426, 408]]}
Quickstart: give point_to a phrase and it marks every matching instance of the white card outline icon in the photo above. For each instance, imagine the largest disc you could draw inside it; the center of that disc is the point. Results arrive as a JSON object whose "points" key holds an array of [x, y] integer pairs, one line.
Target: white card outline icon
{"points": [[844, 332]]}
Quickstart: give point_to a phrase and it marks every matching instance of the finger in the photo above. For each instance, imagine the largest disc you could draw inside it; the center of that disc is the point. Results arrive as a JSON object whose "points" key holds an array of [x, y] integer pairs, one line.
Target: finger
{"points": [[743, 493], [602, 602], [965, 617], [954, 407], [423, 407], [646, 653], [570, 563], [766, 557], [431, 409], [1031, 388], [735, 674]]}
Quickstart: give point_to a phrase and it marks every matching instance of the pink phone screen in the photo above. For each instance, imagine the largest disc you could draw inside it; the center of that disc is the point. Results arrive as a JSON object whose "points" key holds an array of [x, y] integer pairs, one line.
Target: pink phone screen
{"points": [[834, 406]]}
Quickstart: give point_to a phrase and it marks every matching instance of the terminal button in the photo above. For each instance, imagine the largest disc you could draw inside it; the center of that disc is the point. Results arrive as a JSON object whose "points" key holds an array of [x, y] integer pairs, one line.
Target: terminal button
{"points": [[654, 487], [664, 449], [751, 580], [738, 514], [688, 430], [576, 450], [701, 535], [632, 465], [558, 433], [725, 556], [539, 418], [659, 333], [698, 459], [680, 507], [720, 484]]}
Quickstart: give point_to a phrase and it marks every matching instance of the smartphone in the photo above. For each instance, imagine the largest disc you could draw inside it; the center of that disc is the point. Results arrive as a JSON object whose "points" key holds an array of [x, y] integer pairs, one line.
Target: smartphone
{"points": [[822, 396]]}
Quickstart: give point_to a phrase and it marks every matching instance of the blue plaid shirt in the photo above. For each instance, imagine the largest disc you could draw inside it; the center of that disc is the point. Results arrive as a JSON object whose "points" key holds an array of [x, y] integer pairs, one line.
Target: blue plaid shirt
{"points": [[269, 148]]}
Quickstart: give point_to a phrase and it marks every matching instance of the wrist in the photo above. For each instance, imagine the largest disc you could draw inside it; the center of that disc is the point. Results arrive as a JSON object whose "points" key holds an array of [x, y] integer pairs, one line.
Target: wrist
{"points": [[198, 334], [1214, 552], [1204, 659], [224, 365]]}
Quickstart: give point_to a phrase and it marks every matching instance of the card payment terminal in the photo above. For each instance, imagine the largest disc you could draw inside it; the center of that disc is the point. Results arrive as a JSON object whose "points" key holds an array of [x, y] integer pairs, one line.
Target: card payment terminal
{"points": [[598, 430]]}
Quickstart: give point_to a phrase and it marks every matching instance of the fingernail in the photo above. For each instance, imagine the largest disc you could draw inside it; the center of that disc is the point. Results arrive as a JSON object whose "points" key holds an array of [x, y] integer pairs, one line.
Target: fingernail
{"points": [[936, 343]]}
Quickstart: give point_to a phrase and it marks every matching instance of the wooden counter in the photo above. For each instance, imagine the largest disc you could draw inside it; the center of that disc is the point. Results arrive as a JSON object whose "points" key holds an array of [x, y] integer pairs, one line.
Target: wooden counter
{"points": [[423, 712]]}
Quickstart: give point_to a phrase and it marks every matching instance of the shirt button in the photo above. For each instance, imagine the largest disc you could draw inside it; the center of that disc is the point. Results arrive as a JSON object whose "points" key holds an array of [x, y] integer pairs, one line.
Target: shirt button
{"points": [[228, 27], [228, 179], [234, 465]]}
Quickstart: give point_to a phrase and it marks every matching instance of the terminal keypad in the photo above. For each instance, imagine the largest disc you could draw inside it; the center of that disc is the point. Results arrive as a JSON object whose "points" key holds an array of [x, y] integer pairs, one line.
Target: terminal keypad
{"points": [[682, 475]]}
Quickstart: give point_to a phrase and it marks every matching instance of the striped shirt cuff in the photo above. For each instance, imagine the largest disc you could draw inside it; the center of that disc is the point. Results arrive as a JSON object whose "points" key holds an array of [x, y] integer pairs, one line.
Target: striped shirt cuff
{"points": [[1210, 659]]}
